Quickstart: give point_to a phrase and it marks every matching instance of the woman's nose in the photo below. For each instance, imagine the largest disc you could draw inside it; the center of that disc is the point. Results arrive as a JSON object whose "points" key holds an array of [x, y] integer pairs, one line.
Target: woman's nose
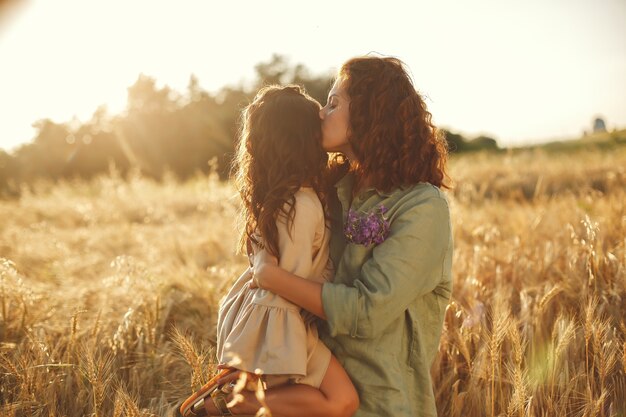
{"points": [[322, 113]]}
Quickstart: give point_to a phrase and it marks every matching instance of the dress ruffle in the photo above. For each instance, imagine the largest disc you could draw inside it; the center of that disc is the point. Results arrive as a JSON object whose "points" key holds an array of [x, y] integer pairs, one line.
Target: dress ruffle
{"points": [[249, 316]]}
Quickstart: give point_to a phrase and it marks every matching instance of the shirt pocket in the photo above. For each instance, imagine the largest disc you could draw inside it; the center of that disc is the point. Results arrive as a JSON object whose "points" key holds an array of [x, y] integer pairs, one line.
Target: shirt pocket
{"points": [[354, 257], [380, 385], [424, 329], [413, 339]]}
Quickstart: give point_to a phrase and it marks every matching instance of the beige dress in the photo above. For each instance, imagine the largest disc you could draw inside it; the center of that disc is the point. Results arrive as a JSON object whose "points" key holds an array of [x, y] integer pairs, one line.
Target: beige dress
{"points": [[261, 330]]}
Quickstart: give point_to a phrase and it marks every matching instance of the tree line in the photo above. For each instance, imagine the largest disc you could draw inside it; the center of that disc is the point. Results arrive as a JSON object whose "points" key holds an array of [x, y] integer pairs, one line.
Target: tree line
{"points": [[161, 131]]}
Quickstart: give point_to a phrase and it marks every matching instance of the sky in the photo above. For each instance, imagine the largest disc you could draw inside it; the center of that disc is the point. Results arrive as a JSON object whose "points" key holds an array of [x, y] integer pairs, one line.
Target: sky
{"points": [[520, 71]]}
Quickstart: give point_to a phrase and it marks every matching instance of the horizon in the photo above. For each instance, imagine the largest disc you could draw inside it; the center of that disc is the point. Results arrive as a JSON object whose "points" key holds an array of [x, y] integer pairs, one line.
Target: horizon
{"points": [[485, 72]]}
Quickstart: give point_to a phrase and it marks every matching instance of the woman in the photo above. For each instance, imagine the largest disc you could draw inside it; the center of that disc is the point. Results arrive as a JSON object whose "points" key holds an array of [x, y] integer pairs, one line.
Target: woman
{"points": [[391, 242]]}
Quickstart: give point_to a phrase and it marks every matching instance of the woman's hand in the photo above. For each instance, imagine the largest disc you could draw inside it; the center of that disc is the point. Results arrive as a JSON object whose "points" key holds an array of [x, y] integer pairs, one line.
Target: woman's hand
{"points": [[261, 264], [267, 274]]}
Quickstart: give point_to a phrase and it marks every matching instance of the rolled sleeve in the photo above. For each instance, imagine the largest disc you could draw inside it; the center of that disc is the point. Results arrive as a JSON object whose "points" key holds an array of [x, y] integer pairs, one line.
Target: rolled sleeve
{"points": [[408, 264], [341, 306]]}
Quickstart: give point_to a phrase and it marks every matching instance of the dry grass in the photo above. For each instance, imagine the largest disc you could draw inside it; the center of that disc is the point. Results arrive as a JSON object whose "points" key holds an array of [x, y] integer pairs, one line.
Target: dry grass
{"points": [[109, 289]]}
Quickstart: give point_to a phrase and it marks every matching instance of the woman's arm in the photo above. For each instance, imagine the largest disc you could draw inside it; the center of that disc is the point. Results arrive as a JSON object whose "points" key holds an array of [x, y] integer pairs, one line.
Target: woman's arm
{"points": [[409, 263], [302, 292]]}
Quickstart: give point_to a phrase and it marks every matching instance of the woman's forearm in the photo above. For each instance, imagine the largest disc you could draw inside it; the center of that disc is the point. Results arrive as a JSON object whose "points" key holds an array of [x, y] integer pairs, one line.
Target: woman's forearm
{"points": [[302, 292]]}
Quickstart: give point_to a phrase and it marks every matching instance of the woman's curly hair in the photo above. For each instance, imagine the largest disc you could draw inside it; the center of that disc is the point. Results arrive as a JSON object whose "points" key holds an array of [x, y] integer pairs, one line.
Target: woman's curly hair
{"points": [[391, 132], [279, 150]]}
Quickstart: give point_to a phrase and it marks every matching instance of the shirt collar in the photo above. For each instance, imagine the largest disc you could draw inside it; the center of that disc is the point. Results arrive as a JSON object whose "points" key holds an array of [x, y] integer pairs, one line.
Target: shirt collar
{"points": [[346, 183], [344, 189]]}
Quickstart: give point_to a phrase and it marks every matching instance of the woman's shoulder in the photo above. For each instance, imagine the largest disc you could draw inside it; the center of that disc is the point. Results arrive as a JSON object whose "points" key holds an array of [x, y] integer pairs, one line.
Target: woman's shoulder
{"points": [[418, 200], [423, 191]]}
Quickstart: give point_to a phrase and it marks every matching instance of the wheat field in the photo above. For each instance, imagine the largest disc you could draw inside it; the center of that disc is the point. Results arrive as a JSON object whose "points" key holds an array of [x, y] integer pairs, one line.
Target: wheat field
{"points": [[109, 290]]}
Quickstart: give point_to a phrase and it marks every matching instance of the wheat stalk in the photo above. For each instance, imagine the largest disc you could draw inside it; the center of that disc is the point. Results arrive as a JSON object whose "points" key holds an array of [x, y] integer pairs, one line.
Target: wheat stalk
{"points": [[501, 325], [521, 245], [195, 359], [520, 391], [130, 404], [96, 367], [73, 330]]}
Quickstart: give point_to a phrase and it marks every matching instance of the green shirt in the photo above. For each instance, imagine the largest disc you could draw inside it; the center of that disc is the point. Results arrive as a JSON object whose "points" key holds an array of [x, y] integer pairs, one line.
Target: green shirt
{"points": [[386, 306]]}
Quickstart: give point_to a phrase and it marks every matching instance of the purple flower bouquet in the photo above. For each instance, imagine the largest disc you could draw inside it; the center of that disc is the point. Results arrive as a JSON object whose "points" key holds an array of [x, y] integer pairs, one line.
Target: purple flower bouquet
{"points": [[367, 228]]}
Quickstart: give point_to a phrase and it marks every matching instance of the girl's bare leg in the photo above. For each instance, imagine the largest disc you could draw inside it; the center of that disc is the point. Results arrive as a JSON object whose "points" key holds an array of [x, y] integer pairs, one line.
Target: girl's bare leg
{"points": [[336, 397]]}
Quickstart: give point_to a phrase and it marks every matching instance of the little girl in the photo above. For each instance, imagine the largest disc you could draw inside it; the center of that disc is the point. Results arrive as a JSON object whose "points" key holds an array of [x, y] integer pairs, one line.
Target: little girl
{"points": [[279, 170]]}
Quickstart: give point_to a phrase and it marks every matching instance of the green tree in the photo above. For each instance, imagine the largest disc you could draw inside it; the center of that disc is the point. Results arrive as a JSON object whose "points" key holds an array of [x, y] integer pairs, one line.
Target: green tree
{"points": [[47, 155], [456, 142], [278, 70]]}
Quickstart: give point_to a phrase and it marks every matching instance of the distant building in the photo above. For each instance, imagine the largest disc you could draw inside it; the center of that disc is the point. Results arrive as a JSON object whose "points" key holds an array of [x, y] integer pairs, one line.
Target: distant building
{"points": [[599, 125]]}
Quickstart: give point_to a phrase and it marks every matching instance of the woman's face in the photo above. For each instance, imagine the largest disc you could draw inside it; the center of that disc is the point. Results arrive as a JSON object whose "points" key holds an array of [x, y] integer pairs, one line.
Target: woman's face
{"points": [[335, 117]]}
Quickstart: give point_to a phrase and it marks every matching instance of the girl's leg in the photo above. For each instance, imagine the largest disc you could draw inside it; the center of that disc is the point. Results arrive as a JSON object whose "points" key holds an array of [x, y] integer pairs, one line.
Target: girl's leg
{"points": [[336, 397]]}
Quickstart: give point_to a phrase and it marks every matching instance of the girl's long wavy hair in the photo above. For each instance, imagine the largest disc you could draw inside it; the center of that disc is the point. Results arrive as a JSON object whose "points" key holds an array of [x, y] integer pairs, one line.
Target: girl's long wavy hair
{"points": [[279, 150], [391, 131]]}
